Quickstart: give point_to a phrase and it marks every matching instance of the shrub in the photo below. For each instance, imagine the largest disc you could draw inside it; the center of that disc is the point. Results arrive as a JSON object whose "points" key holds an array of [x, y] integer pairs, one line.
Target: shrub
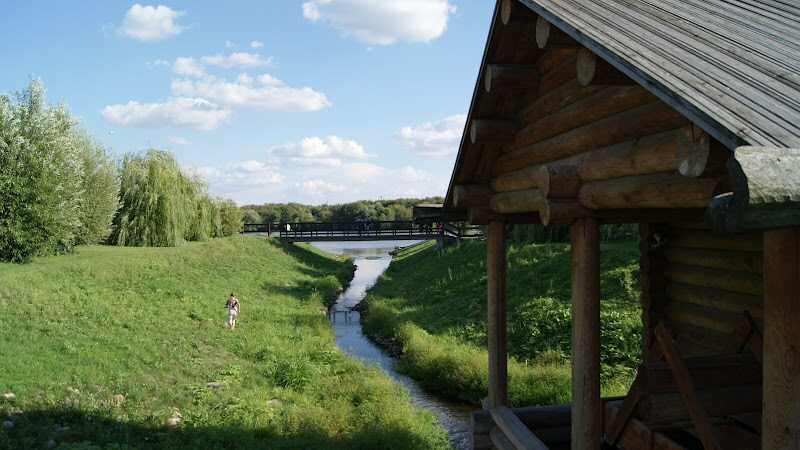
{"points": [[57, 188], [231, 218]]}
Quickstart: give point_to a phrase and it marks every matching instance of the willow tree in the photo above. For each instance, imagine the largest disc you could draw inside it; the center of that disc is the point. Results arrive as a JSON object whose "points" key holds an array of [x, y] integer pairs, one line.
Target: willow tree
{"points": [[158, 201]]}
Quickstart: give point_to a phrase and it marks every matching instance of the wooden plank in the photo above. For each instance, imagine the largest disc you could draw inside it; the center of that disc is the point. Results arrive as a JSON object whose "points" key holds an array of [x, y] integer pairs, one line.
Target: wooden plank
{"points": [[500, 441], [729, 280], [636, 434], [496, 296], [585, 287], [706, 372], [781, 416], [623, 415], [701, 316], [515, 430], [669, 407], [716, 259], [686, 386], [750, 242]]}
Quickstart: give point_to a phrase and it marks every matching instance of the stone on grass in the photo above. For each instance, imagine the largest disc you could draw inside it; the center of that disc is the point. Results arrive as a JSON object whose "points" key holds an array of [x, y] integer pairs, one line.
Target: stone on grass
{"points": [[9, 395], [274, 403], [175, 419], [8, 425], [72, 390], [117, 400], [214, 384], [50, 444]]}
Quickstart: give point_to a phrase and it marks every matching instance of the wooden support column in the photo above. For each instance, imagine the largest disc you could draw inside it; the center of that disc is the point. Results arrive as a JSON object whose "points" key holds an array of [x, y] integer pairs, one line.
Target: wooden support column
{"points": [[781, 385], [496, 282], [585, 272]]}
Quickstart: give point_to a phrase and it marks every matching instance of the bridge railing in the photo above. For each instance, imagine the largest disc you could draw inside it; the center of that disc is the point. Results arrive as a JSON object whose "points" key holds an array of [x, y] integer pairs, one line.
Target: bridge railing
{"points": [[403, 228]]}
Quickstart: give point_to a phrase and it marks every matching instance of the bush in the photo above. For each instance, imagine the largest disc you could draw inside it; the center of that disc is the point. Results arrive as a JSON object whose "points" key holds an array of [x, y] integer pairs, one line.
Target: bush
{"points": [[231, 218], [57, 188]]}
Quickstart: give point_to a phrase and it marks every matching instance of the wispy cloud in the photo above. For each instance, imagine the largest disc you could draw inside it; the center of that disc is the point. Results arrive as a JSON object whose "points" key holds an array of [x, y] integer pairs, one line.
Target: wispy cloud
{"points": [[437, 139], [319, 152], [269, 95]]}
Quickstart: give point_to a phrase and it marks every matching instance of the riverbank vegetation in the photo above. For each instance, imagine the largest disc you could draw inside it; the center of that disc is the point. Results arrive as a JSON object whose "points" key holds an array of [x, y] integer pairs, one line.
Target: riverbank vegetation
{"points": [[125, 347], [60, 188], [432, 303]]}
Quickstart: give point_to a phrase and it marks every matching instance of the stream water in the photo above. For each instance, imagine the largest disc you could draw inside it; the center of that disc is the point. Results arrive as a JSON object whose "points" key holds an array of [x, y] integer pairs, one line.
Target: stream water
{"points": [[371, 259]]}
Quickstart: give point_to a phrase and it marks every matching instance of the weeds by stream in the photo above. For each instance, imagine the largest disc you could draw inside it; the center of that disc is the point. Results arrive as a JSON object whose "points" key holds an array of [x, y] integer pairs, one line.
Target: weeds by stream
{"points": [[432, 305]]}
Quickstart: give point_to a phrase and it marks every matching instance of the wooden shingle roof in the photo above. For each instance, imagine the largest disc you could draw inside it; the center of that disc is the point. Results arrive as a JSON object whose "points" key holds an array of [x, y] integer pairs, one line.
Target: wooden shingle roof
{"points": [[732, 67]]}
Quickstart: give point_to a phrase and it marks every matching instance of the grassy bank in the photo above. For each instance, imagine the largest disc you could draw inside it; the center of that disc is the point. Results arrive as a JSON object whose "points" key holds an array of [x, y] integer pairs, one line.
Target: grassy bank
{"points": [[433, 304], [117, 347]]}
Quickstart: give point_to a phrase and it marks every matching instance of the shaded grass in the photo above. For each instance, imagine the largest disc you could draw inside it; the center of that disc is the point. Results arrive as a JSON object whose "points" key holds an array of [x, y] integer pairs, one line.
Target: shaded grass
{"points": [[115, 342], [433, 302]]}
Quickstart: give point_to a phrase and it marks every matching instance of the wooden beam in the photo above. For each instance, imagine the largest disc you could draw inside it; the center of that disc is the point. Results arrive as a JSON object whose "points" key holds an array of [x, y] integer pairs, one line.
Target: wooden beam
{"points": [[496, 297], [500, 441], [636, 434], [500, 77], [529, 200], [597, 71], [706, 372], [466, 195], [781, 414], [660, 190], [550, 36], [562, 211], [669, 407], [482, 215], [512, 10], [641, 156], [485, 131], [520, 435], [626, 126], [559, 181], [585, 273], [534, 417]]}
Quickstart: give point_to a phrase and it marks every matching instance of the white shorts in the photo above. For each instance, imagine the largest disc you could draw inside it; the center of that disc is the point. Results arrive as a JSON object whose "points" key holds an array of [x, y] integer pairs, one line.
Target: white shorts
{"points": [[231, 316]]}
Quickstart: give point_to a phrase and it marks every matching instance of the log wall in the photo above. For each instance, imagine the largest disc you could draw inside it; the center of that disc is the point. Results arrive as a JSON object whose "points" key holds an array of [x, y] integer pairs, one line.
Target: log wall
{"points": [[701, 282]]}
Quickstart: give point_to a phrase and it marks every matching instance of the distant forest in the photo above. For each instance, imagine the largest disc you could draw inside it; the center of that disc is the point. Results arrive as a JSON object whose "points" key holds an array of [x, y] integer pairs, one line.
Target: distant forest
{"points": [[398, 209]]}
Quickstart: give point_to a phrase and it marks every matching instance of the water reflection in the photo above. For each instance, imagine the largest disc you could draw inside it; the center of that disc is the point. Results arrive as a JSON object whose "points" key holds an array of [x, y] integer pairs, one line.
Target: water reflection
{"points": [[372, 258]]}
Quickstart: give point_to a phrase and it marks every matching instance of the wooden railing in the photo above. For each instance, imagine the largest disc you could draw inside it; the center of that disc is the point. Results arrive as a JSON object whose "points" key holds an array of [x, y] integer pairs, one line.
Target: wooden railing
{"points": [[364, 230]]}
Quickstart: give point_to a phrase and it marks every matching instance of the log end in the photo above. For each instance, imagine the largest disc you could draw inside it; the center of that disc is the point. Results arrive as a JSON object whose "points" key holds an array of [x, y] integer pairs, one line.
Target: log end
{"points": [[542, 32], [692, 151], [473, 131], [505, 11], [487, 79], [587, 64]]}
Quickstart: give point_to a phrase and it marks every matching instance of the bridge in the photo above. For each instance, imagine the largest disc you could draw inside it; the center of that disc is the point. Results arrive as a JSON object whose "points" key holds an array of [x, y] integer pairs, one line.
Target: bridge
{"points": [[379, 230]]}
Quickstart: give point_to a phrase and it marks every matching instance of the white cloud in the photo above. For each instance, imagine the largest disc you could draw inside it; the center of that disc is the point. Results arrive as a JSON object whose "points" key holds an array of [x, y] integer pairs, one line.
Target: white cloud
{"points": [[317, 152], [178, 112], [157, 63], [229, 44], [189, 67], [256, 44], [240, 59], [319, 187], [440, 138], [178, 140], [241, 175], [147, 23], [383, 22], [270, 97]]}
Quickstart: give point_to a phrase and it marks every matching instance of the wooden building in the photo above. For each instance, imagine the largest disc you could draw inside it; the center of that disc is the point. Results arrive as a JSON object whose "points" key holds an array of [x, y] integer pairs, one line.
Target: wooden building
{"points": [[683, 117]]}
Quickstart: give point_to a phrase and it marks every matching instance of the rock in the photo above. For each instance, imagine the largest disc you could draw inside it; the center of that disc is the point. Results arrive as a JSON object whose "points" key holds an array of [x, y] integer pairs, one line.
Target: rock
{"points": [[7, 425], [72, 390], [57, 427], [274, 403], [117, 400], [64, 429], [214, 384], [175, 419], [9, 395], [50, 444]]}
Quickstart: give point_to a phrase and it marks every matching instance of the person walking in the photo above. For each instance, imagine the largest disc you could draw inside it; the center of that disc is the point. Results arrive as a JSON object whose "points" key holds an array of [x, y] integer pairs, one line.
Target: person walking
{"points": [[233, 307]]}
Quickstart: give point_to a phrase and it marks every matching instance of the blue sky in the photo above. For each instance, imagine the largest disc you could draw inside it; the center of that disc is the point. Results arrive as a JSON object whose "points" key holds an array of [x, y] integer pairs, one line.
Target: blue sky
{"points": [[314, 101]]}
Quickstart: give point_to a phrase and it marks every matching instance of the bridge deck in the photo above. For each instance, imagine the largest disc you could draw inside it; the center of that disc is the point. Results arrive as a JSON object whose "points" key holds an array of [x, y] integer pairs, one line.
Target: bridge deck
{"points": [[350, 231]]}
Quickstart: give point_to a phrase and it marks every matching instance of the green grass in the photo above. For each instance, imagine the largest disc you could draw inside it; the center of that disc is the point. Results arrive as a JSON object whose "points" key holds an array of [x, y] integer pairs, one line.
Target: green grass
{"points": [[433, 303], [113, 342]]}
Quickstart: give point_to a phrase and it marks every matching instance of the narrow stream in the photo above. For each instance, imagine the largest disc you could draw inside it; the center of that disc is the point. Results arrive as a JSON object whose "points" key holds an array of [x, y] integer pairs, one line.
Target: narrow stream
{"points": [[371, 259]]}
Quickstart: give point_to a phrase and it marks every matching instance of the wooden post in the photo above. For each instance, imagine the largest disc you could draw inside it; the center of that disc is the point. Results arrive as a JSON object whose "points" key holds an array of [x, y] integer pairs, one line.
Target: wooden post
{"points": [[781, 413], [269, 228], [585, 272], [496, 297]]}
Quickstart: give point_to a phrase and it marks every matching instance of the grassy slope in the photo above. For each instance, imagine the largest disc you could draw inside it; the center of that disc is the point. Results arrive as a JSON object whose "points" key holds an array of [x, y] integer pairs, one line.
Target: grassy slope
{"points": [[147, 324], [434, 303]]}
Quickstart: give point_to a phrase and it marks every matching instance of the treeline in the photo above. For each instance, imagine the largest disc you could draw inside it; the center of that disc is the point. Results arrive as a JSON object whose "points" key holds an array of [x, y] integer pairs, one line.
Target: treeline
{"points": [[60, 188], [398, 209]]}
